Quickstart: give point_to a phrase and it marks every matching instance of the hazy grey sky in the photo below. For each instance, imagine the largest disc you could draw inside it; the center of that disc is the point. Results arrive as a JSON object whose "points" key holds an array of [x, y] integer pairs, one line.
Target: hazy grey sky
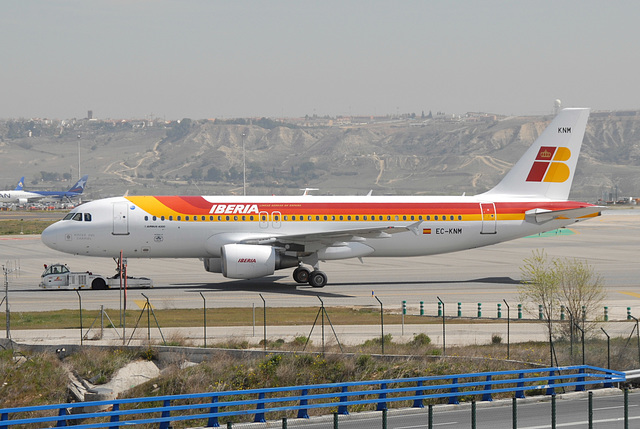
{"points": [[206, 59]]}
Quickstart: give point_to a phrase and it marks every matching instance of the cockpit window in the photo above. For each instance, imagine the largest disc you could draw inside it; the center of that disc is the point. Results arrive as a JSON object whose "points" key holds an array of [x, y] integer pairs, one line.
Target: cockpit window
{"points": [[77, 216], [87, 217], [68, 216]]}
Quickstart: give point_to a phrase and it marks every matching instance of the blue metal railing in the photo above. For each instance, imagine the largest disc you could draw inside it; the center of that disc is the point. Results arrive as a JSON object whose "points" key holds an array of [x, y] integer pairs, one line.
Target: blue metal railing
{"points": [[336, 395]]}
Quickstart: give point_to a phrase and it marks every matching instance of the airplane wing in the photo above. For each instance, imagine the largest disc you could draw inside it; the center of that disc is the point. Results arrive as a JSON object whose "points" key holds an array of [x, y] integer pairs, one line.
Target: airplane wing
{"points": [[544, 215], [334, 237]]}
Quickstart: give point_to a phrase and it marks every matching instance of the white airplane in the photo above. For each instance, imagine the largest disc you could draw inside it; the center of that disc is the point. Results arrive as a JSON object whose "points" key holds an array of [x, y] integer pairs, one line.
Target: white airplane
{"points": [[252, 236], [20, 196]]}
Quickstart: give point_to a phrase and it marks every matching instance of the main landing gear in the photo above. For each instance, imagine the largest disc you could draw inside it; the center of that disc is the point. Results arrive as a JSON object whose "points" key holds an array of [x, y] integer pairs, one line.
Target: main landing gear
{"points": [[315, 278]]}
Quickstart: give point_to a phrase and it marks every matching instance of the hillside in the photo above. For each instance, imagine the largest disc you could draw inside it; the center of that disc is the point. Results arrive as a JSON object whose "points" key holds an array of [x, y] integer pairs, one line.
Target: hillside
{"points": [[399, 157]]}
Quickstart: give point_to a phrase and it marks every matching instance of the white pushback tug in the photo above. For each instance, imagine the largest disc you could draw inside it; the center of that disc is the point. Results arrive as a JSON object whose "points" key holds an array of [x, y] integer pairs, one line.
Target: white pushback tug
{"points": [[59, 276]]}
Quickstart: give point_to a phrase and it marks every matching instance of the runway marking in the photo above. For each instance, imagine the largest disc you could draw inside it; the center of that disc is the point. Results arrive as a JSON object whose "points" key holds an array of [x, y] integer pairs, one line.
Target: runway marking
{"points": [[633, 294], [141, 303]]}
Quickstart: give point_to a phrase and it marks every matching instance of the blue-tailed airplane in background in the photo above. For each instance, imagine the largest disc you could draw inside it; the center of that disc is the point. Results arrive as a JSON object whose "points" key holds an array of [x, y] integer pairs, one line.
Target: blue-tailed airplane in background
{"points": [[20, 196]]}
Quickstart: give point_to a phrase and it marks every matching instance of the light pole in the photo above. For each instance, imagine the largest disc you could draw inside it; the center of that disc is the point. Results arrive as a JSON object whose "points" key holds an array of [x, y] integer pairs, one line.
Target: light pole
{"points": [[244, 168]]}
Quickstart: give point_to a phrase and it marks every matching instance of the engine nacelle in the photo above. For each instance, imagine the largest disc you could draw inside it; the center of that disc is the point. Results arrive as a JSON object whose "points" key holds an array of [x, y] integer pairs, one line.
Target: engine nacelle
{"points": [[248, 261], [213, 265], [22, 201]]}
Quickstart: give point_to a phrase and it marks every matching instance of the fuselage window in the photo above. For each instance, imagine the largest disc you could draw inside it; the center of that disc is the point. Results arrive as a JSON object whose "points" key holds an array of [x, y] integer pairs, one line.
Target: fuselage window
{"points": [[161, 217], [404, 217], [428, 217], [170, 217], [397, 217], [420, 217], [413, 217], [251, 217], [435, 217], [235, 217], [459, 217], [276, 218], [155, 218], [186, 218], [293, 217], [227, 218], [179, 218], [349, 217], [146, 218], [451, 218], [77, 216], [244, 217], [326, 217], [210, 217], [203, 218], [341, 217], [357, 217], [309, 217], [317, 217], [264, 218], [219, 218]]}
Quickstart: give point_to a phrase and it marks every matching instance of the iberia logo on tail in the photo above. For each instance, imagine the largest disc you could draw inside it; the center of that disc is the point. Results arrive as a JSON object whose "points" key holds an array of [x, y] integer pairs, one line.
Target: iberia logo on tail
{"points": [[550, 166]]}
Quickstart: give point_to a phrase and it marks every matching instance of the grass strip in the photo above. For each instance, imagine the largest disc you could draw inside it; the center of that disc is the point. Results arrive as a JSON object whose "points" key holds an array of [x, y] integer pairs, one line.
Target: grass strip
{"points": [[181, 318]]}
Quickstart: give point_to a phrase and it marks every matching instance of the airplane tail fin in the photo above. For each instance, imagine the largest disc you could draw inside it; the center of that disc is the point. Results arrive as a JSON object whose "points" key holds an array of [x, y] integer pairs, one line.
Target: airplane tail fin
{"points": [[546, 169], [20, 184], [79, 185]]}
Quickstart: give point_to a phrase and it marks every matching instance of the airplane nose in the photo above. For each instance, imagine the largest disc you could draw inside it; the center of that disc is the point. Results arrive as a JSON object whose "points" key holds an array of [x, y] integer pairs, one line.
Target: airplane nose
{"points": [[49, 236]]}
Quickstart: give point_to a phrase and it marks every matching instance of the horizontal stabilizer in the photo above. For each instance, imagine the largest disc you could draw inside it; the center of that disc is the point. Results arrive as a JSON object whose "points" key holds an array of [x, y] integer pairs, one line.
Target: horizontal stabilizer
{"points": [[540, 216]]}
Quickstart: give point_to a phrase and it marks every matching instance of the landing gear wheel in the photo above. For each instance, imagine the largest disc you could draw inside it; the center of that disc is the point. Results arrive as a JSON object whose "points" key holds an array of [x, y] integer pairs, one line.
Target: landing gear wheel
{"points": [[317, 279], [301, 275]]}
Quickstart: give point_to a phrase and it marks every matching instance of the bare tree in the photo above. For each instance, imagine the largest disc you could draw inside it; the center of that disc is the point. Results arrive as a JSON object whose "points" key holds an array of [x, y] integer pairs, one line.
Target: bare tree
{"points": [[555, 282]]}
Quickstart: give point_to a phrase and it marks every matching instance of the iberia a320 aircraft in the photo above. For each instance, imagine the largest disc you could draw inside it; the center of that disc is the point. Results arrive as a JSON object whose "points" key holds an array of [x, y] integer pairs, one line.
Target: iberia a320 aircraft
{"points": [[252, 236]]}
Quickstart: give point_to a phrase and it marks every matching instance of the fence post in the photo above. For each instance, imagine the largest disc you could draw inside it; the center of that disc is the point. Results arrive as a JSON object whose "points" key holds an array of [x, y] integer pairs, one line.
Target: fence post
{"points": [[116, 417], [487, 396], [3, 418], [553, 411], [260, 406], [62, 412], [384, 418], [213, 421], [335, 420], [552, 381], [580, 387], [417, 403], [626, 408], [520, 393], [284, 423], [302, 412], [590, 410], [430, 417], [454, 398], [166, 413], [514, 413], [382, 405], [342, 409], [473, 414]]}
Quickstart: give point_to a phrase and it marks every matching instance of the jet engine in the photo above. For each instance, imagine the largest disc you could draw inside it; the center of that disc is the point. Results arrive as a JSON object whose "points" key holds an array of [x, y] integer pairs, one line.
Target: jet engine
{"points": [[248, 261], [22, 201]]}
